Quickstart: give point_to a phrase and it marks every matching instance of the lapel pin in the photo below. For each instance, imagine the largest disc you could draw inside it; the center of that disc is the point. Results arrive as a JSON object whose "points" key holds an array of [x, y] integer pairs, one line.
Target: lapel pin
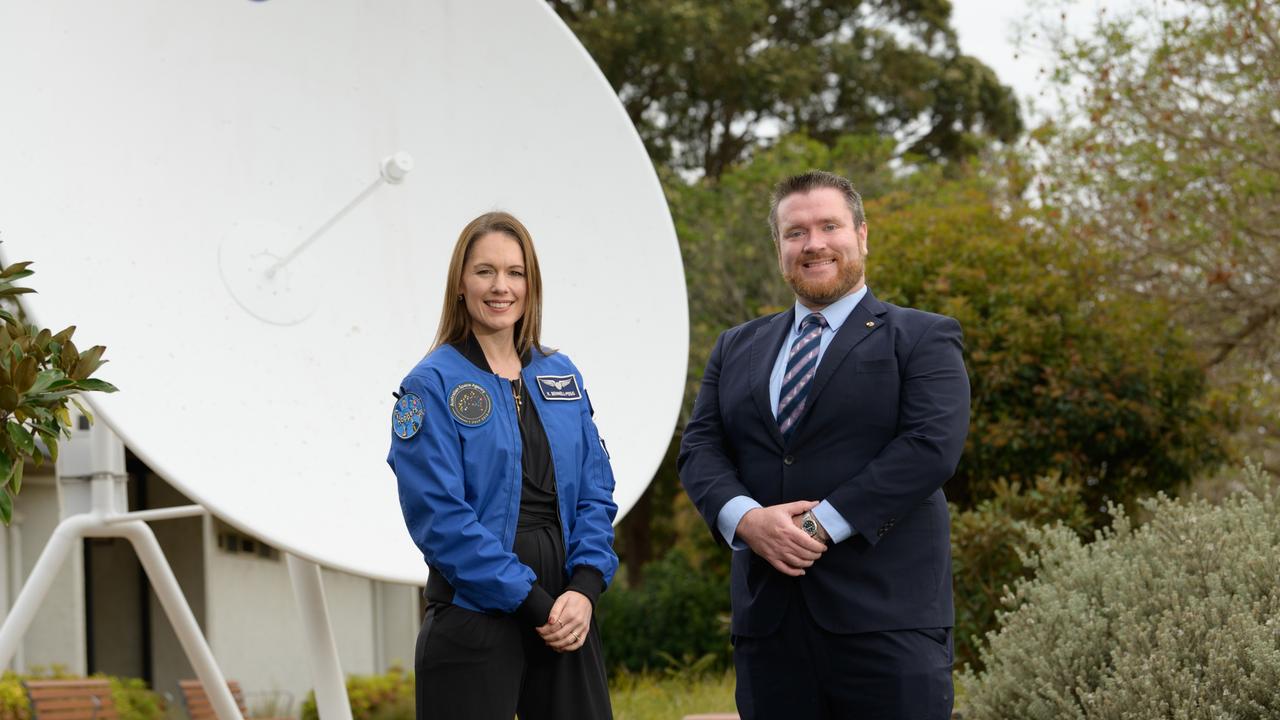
{"points": [[871, 323]]}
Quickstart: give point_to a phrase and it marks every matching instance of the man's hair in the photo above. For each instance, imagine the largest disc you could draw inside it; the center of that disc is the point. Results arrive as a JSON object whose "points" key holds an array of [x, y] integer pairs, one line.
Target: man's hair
{"points": [[808, 182]]}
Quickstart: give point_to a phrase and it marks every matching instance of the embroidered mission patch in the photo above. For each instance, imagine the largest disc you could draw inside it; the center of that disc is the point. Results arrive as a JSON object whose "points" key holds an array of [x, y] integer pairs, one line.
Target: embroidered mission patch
{"points": [[470, 404], [559, 387], [406, 419]]}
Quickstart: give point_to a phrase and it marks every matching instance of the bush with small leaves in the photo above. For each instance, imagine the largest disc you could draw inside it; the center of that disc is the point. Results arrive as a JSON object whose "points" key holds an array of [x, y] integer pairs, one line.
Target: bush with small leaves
{"points": [[388, 696], [987, 544], [134, 699], [1176, 618]]}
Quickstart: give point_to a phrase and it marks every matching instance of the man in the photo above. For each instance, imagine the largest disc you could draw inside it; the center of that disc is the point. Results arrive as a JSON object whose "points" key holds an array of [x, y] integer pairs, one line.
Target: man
{"points": [[817, 450]]}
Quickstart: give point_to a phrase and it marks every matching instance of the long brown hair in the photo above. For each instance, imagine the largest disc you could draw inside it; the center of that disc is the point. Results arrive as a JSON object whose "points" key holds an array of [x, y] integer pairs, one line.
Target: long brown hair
{"points": [[455, 321]]}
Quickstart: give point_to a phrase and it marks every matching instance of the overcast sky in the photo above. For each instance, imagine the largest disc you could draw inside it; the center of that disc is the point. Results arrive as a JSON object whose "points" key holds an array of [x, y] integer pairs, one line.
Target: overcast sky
{"points": [[988, 30]]}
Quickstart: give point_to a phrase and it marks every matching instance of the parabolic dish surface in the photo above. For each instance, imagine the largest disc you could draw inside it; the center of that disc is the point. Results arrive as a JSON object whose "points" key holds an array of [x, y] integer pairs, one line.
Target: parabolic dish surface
{"points": [[153, 154]]}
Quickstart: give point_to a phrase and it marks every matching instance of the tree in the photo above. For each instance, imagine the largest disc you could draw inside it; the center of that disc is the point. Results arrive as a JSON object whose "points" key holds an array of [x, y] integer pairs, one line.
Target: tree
{"points": [[40, 373], [1065, 378], [1168, 159], [707, 82]]}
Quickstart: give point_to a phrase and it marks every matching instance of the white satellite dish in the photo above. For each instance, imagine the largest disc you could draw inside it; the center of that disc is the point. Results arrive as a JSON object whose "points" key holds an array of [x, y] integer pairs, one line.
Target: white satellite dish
{"points": [[158, 158]]}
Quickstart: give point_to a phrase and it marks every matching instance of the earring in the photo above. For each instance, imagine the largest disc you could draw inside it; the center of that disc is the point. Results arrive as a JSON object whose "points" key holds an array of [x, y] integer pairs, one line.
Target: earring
{"points": [[459, 297]]}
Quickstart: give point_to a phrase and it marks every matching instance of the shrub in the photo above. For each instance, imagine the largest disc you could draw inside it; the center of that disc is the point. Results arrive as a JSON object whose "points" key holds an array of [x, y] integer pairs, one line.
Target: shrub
{"points": [[13, 699], [679, 617], [374, 697], [134, 700], [1176, 618], [986, 547]]}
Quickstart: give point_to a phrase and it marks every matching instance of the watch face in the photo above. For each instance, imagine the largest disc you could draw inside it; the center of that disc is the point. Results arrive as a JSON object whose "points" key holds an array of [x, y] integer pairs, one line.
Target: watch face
{"points": [[810, 527]]}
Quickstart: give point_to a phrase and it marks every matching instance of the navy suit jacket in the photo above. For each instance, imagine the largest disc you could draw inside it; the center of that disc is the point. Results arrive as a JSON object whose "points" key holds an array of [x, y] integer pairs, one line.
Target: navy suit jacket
{"points": [[883, 429]]}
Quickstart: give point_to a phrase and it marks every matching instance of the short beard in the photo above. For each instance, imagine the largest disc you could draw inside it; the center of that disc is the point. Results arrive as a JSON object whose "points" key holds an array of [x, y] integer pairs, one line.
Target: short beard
{"points": [[824, 293]]}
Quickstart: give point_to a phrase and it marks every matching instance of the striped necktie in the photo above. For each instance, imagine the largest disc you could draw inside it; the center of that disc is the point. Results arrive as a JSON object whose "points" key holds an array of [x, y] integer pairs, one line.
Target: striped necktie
{"points": [[801, 366]]}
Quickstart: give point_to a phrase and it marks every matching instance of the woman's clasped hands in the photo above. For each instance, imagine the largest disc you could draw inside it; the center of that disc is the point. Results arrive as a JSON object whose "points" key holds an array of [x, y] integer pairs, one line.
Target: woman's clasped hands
{"points": [[568, 624]]}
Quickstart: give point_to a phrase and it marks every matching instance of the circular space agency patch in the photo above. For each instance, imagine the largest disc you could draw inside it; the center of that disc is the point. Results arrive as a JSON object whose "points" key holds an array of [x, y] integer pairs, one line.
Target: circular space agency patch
{"points": [[406, 419], [470, 404]]}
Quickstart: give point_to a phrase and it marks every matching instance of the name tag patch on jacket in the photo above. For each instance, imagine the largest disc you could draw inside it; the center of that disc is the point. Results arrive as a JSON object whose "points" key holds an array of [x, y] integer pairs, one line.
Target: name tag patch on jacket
{"points": [[406, 419], [559, 387], [470, 404]]}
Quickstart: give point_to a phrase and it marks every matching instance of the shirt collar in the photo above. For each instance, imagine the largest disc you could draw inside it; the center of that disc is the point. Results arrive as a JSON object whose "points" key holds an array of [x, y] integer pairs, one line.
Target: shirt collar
{"points": [[835, 313]]}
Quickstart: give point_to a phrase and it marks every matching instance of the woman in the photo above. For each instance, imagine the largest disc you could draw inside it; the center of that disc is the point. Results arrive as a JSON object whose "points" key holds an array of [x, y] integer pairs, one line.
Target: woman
{"points": [[507, 489]]}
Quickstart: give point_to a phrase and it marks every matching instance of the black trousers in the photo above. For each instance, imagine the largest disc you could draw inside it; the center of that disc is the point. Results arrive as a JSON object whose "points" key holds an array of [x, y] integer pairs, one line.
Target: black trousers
{"points": [[477, 666], [806, 672]]}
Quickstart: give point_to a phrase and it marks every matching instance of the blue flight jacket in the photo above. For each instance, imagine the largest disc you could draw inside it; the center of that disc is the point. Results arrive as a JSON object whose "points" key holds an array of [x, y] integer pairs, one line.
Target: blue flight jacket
{"points": [[456, 456]]}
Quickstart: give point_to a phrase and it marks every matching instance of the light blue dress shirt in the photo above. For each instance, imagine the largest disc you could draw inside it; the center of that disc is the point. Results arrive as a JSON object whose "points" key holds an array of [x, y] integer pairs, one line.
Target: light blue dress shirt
{"points": [[833, 522]]}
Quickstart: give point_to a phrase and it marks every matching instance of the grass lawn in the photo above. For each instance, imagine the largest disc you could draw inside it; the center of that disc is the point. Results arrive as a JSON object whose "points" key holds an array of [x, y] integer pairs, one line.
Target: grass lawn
{"points": [[665, 696], [657, 696]]}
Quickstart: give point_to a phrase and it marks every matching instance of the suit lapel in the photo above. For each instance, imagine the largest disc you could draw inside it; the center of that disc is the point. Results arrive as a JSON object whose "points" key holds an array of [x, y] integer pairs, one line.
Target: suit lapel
{"points": [[864, 320], [764, 352]]}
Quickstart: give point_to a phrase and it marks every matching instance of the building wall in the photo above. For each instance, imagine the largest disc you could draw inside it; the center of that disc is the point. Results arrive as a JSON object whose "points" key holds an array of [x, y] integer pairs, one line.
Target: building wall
{"points": [[57, 634], [256, 634], [397, 627]]}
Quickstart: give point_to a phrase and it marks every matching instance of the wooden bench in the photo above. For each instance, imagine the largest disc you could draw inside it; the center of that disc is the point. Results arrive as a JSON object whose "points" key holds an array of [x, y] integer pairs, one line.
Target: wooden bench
{"points": [[196, 700], [78, 699]]}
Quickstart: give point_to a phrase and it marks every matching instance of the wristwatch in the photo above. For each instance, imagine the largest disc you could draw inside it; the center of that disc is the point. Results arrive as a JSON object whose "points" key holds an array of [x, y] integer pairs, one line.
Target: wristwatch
{"points": [[810, 525]]}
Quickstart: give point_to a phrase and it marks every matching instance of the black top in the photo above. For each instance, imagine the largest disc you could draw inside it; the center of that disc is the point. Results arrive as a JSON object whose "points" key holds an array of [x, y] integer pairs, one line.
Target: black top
{"points": [[537, 492], [538, 484]]}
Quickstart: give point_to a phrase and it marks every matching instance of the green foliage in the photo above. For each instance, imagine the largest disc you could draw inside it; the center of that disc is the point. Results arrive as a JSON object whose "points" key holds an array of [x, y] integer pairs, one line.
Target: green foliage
{"points": [[132, 698], [1176, 618], [14, 704], [1065, 377], [1168, 159], [389, 696], [706, 82], [987, 546], [40, 372], [678, 619]]}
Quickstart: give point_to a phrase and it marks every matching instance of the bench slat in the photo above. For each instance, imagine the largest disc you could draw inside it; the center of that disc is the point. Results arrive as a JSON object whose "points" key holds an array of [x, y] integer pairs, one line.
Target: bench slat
{"points": [[76, 699], [197, 700], [74, 714]]}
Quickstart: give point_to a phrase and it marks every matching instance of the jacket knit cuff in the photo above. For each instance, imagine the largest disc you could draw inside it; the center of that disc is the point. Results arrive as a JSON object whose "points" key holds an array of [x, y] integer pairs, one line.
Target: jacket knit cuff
{"points": [[588, 581], [536, 607]]}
